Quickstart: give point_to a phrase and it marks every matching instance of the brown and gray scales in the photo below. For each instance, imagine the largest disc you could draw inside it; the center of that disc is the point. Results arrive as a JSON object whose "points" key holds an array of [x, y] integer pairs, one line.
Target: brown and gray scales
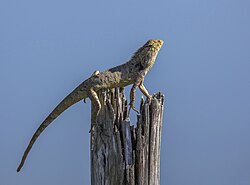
{"points": [[132, 72]]}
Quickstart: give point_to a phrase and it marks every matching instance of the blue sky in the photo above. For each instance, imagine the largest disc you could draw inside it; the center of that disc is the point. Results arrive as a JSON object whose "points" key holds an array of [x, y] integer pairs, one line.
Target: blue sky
{"points": [[48, 47]]}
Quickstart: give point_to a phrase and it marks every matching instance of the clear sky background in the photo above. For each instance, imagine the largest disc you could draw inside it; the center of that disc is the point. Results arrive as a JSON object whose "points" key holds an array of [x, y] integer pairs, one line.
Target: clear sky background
{"points": [[49, 47]]}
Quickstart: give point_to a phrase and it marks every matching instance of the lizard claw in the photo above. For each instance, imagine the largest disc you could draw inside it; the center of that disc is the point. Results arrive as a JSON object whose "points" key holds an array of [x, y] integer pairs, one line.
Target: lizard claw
{"points": [[149, 99]]}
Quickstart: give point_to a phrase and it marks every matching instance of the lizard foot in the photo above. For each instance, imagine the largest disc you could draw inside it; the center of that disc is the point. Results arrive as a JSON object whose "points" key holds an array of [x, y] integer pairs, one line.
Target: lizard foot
{"points": [[148, 100], [133, 107]]}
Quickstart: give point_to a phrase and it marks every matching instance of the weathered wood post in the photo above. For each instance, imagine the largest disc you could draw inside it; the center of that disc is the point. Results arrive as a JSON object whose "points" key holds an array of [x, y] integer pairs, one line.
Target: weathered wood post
{"points": [[120, 153]]}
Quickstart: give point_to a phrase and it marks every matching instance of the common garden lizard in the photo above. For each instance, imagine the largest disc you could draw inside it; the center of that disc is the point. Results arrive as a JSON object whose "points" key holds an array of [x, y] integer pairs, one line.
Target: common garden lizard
{"points": [[131, 72]]}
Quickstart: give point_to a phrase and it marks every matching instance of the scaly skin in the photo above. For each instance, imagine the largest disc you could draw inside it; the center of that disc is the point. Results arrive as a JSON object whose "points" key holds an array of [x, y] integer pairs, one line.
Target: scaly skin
{"points": [[132, 72]]}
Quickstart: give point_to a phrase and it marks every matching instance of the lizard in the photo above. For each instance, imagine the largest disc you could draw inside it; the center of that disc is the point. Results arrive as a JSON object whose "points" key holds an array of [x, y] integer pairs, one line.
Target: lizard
{"points": [[132, 73]]}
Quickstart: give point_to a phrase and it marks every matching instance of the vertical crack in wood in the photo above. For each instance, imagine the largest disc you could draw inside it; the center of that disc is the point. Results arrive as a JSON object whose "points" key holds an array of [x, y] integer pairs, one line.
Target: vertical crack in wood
{"points": [[120, 153]]}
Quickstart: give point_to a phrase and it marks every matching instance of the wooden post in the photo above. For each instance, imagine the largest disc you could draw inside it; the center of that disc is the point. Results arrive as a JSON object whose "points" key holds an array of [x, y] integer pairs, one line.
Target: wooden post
{"points": [[120, 153]]}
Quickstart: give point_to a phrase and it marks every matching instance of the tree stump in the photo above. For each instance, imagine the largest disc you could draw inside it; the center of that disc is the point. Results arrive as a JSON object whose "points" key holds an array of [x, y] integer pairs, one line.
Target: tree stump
{"points": [[122, 154]]}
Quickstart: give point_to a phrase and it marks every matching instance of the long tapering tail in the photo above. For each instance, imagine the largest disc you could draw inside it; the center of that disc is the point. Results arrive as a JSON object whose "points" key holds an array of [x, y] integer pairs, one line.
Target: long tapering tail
{"points": [[71, 99]]}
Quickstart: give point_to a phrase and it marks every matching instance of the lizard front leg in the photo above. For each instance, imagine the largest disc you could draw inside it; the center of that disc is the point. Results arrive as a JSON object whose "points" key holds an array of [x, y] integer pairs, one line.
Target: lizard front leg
{"points": [[144, 91], [132, 98], [96, 107]]}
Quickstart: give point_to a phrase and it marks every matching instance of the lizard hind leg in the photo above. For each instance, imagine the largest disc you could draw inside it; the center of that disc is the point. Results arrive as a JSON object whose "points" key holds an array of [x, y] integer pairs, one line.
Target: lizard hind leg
{"points": [[96, 107]]}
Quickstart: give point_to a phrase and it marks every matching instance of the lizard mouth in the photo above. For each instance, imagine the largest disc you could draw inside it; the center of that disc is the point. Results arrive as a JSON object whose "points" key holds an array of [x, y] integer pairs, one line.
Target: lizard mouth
{"points": [[159, 43]]}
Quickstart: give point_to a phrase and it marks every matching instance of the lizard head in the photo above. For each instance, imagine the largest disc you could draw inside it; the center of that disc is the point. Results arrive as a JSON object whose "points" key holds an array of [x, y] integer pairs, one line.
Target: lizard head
{"points": [[145, 56], [149, 52], [156, 44]]}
